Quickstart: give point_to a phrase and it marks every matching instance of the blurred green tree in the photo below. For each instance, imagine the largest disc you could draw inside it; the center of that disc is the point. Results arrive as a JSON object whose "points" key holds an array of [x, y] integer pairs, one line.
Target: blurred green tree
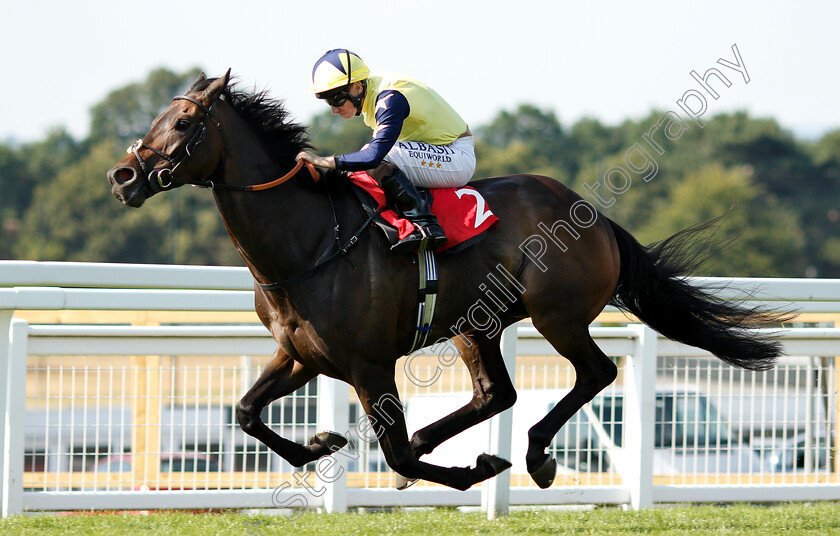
{"points": [[74, 217], [332, 135], [757, 239], [784, 193], [126, 114]]}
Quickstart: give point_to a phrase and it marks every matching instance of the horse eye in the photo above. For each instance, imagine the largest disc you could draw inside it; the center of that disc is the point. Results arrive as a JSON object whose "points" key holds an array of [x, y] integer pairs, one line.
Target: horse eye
{"points": [[182, 124]]}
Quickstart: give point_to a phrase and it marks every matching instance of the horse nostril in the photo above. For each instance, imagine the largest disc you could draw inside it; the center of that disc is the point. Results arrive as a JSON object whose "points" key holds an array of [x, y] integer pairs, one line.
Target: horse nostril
{"points": [[123, 175]]}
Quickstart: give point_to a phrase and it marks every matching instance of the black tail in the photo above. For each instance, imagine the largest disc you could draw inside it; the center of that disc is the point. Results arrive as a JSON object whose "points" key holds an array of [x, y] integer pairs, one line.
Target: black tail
{"points": [[652, 286]]}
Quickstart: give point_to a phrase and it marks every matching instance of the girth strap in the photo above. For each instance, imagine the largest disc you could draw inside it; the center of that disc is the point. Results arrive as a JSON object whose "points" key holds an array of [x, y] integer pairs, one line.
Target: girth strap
{"points": [[426, 295]]}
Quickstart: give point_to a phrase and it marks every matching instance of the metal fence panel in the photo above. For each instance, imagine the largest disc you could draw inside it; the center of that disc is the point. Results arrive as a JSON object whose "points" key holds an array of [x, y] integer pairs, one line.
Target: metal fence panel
{"points": [[136, 417]]}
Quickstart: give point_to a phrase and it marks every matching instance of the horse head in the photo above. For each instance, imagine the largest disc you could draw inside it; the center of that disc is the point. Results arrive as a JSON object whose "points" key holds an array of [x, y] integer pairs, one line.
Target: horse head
{"points": [[180, 147]]}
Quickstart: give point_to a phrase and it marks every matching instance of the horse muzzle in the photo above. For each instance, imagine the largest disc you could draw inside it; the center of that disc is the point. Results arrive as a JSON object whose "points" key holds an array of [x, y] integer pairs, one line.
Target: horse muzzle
{"points": [[128, 187]]}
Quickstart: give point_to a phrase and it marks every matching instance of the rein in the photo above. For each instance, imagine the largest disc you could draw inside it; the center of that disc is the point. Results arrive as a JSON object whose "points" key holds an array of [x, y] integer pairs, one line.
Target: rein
{"points": [[210, 185], [164, 179], [265, 185]]}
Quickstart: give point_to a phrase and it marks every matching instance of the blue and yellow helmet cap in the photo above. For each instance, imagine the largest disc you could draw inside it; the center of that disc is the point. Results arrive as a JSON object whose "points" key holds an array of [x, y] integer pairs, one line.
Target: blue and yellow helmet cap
{"points": [[337, 68]]}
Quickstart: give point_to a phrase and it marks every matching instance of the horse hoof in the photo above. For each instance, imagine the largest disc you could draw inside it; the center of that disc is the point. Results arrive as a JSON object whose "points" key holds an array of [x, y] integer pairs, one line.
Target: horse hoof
{"points": [[496, 464], [331, 440], [405, 483], [544, 474]]}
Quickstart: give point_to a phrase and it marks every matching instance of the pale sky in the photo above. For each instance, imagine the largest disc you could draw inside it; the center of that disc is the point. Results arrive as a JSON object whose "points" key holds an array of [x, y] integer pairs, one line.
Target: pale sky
{"points": [[608, 60]]}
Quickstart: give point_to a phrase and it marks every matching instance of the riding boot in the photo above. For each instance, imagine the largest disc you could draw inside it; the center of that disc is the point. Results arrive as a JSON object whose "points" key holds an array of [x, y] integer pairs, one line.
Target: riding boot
{"points": [[416, 209]]}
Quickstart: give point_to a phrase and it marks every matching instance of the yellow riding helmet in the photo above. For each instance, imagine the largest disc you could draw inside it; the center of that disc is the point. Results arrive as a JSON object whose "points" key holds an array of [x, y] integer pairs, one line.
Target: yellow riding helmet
{"points": [[337, 68]]}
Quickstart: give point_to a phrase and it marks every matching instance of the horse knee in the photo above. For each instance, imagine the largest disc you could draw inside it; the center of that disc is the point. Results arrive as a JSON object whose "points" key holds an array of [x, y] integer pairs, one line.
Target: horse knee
{"points": [[420, 444], [403, 463], [249, 420], [607, 374], [504, 400], [595, 379], [494, 400]]}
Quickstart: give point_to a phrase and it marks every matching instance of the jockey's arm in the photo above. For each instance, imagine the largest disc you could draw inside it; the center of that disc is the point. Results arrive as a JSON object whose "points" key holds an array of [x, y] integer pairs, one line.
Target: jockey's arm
{"points": [[315, 160], [391, 110]]}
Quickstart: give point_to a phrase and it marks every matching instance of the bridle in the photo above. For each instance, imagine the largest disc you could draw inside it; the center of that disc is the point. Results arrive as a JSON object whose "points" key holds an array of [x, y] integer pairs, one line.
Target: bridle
{"points": [[164, 178]]}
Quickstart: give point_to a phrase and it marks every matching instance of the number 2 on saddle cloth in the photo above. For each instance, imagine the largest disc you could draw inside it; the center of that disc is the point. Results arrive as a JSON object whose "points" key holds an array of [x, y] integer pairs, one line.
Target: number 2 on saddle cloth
{"points": [[462, 212]]}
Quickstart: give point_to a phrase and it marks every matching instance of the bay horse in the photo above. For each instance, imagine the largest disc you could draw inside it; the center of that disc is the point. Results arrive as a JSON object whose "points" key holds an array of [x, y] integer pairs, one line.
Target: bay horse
{"points": [[348, 312]]}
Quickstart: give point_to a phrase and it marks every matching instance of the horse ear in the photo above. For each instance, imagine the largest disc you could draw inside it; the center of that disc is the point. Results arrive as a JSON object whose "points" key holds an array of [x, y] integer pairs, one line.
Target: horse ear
{"points": [[217, 87], [201, 78]]}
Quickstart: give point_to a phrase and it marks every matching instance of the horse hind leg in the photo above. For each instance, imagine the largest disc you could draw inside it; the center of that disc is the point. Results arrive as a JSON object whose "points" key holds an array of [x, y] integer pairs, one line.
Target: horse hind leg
{"points": [[493, 392], [282, 376], [593, 372], [377, 392]]}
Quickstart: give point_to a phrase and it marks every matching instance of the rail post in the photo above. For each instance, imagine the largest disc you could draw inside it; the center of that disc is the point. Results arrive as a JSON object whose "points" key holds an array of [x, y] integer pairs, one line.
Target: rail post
{"points": [[5, 386], [13, 401], [333, 415], [501, 427], [146, 418], [639, 418]]}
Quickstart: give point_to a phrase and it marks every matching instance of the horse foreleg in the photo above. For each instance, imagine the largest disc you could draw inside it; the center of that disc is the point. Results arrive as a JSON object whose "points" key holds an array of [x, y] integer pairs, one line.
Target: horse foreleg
{"points": [[281, 377], [493, 392], [378, 394], [593, 372]]}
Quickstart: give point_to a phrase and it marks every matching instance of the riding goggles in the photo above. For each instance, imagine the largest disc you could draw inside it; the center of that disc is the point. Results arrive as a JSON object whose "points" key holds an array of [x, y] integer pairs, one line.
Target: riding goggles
{"points": [[336, 97]]}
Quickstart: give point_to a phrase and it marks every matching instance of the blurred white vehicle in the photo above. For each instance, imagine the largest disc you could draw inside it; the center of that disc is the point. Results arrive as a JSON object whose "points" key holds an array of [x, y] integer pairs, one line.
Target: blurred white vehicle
{"points": [[689, 435]]}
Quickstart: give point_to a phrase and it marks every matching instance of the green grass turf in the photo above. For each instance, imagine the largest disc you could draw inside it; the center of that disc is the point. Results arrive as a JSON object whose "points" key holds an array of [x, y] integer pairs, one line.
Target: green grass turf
{"points": [[787, 519]]}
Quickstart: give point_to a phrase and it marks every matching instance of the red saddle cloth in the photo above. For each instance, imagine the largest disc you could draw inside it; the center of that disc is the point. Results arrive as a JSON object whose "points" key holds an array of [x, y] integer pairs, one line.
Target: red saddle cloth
{"points": [[462, 212]]}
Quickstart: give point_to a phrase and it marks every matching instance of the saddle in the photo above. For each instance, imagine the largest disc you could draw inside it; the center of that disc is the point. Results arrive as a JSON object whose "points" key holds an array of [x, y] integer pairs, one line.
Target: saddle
{"points": [[462, 212], [464, 216]]}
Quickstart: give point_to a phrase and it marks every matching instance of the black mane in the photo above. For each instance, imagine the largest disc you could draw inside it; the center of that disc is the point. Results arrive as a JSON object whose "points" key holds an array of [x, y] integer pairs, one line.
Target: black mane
{"points": [[281, 136], [269, 118]]}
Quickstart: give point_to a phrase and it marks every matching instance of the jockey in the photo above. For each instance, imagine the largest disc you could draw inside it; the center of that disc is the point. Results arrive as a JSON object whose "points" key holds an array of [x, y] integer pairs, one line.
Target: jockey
{"points": [[418, 139]]}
